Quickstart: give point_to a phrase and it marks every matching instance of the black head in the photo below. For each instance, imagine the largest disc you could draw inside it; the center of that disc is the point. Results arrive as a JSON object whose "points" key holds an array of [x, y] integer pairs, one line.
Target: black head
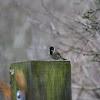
{"points": [[51, 48]]}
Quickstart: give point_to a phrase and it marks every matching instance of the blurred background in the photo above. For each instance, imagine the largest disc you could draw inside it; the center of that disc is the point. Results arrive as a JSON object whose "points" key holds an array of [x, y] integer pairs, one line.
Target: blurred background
{"points": [[29, 27]]}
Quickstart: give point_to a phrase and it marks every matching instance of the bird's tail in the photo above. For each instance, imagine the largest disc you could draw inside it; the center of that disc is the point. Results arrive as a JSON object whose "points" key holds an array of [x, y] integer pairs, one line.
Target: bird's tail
{"points": [[63, 58]]}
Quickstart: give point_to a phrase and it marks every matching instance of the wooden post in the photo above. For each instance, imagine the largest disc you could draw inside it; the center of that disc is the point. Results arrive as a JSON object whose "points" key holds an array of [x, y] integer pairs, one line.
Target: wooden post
{"points": [[46, 80]]}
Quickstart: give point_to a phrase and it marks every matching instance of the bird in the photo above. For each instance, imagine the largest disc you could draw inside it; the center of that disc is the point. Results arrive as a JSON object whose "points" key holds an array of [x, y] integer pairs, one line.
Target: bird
{"points": [[54, 54]]}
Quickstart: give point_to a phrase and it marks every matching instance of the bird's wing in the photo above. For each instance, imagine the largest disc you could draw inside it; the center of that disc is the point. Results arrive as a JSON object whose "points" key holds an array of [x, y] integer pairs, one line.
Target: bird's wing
{"points": [[58, 53]]}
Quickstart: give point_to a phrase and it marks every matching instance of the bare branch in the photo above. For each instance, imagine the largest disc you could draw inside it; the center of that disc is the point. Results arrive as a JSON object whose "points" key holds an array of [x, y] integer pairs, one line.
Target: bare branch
{"points": [[86, 88]]}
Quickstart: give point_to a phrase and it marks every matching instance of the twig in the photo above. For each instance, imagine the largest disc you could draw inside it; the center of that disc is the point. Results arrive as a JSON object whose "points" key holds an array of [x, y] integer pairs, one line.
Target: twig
{"points": [[73, 49], [86, 88], [79, 94], [86, 42], [96, 60]]}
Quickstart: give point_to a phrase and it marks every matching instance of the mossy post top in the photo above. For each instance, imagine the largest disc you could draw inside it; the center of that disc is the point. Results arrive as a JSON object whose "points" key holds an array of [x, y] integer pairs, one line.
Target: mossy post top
{"points": [[46, 80]]}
